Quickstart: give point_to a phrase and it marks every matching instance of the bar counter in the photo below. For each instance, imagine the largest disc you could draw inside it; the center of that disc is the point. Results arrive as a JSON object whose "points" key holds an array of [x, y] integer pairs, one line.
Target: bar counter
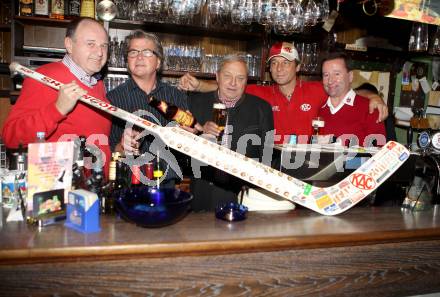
{"points": [[363, 252]]}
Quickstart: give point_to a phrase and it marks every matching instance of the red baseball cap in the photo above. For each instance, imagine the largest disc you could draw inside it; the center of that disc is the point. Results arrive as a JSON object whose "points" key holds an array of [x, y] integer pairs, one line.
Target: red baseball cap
{"points": [[284, 49]]}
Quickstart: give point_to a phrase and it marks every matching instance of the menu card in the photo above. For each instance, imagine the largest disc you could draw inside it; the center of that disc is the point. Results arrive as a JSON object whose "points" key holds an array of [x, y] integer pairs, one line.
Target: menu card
{"points": [[49, 168]]}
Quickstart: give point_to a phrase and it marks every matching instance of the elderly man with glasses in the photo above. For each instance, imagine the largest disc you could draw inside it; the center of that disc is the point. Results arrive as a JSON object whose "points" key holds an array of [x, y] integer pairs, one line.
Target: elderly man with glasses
{"points": [[144, 61]]}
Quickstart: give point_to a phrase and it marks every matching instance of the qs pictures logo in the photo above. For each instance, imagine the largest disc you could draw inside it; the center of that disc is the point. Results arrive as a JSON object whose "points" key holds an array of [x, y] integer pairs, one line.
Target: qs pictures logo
{"points": [[363, 181]]}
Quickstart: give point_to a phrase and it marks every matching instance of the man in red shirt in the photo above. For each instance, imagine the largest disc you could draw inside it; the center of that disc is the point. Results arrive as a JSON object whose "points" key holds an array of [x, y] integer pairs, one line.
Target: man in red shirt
{"points": [[40, 108], [294, 102], [346, 114]]}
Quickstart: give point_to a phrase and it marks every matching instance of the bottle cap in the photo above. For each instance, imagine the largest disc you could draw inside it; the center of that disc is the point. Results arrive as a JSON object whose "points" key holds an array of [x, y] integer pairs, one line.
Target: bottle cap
{"points": [[41, 135]]}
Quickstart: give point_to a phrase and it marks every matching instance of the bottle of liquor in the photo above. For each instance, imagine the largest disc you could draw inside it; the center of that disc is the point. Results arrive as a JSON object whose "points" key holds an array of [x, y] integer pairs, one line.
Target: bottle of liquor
{"points": [[88, 8], [72, 9], [157, 173], [94, 184], [42, 8], [173, 113], [26, 8], [21, 158], [112, 188], [57, 9], [79, 178], [136, 176]]}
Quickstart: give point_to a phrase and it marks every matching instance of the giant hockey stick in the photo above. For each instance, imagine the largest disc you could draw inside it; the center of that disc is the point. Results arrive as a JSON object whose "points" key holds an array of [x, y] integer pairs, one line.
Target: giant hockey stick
{"points": [[328, 201]]}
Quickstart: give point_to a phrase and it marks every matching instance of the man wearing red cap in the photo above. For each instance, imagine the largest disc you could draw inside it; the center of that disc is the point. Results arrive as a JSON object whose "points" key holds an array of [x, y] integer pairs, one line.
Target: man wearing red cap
{"points": [[294, 102]]}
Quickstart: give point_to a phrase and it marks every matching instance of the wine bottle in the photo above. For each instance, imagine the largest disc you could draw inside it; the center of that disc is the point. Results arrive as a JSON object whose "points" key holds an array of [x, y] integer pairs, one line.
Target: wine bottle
{"points": [[173, 113], [112, 188]]}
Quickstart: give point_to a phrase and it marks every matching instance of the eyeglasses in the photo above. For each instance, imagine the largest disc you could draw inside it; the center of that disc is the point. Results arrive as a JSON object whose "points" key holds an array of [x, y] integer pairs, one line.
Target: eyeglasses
{"points": [[145, 53]]}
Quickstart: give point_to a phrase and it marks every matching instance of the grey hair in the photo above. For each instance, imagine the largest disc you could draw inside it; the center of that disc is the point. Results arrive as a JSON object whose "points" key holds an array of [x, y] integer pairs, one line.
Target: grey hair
{"points": [[139, 34], [236, 57]]}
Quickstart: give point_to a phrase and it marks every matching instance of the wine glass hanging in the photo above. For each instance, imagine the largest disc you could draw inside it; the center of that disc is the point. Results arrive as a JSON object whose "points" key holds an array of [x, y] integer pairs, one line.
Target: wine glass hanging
{"points": [[283, 16]]}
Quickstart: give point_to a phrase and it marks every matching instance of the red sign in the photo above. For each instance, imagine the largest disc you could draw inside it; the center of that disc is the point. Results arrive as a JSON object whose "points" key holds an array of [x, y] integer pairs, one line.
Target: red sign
{"points": [[363, 181]]}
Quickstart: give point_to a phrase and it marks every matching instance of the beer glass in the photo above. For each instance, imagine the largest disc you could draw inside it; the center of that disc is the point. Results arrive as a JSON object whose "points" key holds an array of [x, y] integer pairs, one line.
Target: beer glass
{"points": [[219, 117]]}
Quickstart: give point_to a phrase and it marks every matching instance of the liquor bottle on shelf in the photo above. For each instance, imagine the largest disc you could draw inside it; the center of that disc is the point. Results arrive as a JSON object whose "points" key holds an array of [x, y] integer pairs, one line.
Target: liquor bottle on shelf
{"points": [[72, 9], [173, 113], [42, 8], [88, 8], [26, 8], [57, 9]]}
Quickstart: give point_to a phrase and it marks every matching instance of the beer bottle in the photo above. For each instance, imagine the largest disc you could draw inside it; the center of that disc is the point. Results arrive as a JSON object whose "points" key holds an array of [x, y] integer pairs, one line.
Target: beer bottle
{"points": [[173, 113]]}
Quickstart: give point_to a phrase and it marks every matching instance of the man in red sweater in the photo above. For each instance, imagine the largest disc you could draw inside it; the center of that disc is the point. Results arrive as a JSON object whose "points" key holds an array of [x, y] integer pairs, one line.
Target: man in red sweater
{"points": [[58, 113], [346, 114]]}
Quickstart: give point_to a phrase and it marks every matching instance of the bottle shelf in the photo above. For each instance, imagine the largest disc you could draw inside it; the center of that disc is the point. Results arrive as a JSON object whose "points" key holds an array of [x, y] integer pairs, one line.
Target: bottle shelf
{"points": [[244, 33], [5, 28], [173, 73], [42, 21]]}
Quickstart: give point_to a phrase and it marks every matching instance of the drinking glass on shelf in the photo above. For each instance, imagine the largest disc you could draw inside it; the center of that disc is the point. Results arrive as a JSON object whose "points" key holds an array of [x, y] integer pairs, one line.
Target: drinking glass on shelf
{"points": [[314, 57], [436, 42], [418, 40], [307, 57], [311, 12]]}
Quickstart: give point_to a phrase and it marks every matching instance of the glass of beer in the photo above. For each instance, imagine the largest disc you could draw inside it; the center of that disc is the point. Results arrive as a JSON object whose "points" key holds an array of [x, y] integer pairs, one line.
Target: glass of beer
{"points": [[219, 117]]}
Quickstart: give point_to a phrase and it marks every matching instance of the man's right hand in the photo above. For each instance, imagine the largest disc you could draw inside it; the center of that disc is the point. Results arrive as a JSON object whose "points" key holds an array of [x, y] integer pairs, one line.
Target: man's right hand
{"points": [[129, 142], [68, 96], [189, 83], [211, 128]]}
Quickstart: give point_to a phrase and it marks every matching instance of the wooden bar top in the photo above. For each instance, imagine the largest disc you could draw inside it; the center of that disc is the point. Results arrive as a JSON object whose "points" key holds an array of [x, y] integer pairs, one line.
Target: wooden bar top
{"points": [[202, 233]]}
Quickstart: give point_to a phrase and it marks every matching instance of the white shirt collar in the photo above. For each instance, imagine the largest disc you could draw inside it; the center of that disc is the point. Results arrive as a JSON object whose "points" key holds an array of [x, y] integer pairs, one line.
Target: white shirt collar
{"points": [[348, 99]]}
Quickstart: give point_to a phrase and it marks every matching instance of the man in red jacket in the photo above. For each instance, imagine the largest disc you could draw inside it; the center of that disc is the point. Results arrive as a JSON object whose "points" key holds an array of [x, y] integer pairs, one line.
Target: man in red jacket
{"points": [[58, 113]]}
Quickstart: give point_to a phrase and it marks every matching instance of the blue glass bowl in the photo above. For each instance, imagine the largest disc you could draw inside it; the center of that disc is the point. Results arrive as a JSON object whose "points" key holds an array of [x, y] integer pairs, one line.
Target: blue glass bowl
{"points": [[231, 212], [150, 207]]}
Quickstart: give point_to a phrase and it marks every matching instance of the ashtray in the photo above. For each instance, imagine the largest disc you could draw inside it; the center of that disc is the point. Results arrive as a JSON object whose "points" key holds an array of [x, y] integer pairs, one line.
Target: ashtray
{"points": [[231, 212]]}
